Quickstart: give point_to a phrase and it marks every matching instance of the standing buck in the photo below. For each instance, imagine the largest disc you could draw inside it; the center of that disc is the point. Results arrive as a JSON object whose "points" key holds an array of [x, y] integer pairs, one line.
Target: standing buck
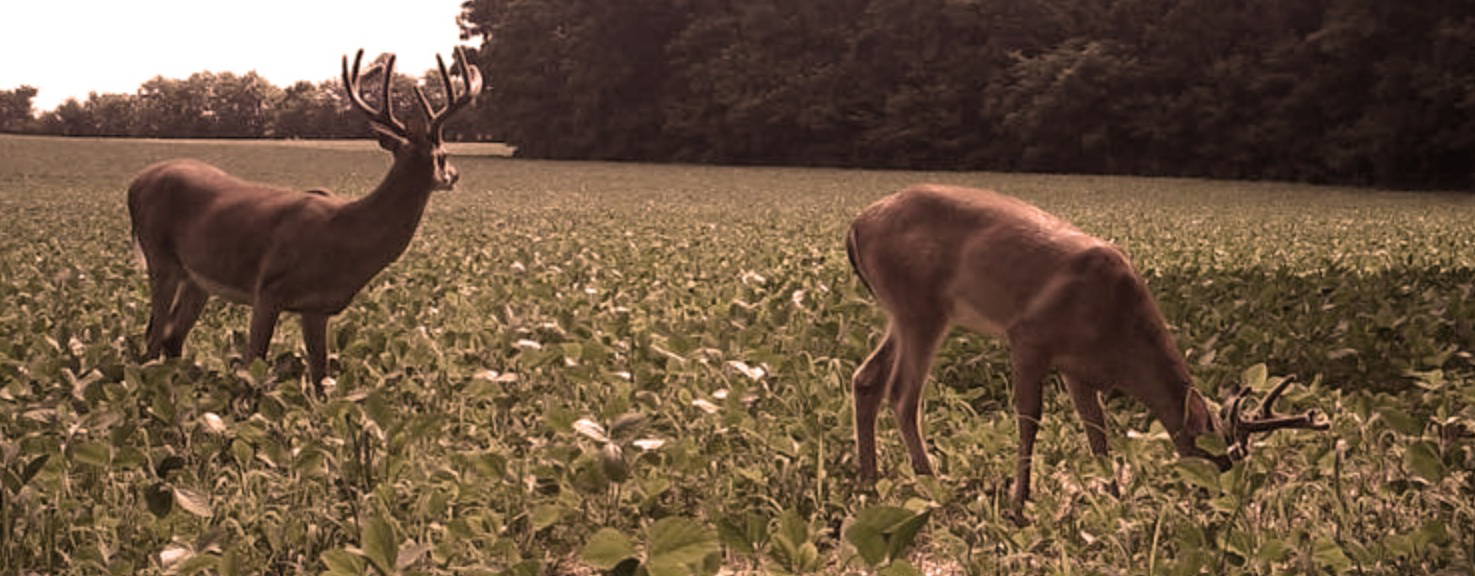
{"points": [[205, 232], [937, 256]]}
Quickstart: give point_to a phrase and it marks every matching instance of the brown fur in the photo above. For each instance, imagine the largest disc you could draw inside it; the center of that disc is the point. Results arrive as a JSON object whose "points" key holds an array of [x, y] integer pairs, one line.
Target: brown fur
{"points": [[203, 232], [938, 256]]}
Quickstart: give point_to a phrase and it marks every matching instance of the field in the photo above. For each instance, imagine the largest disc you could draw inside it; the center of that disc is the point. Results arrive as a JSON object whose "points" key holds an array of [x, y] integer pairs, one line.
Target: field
{"points": [[586, 366]]}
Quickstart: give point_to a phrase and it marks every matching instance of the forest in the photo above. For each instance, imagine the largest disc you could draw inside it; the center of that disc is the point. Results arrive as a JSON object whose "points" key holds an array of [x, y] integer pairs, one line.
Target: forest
{"points": [[1327, 91]]}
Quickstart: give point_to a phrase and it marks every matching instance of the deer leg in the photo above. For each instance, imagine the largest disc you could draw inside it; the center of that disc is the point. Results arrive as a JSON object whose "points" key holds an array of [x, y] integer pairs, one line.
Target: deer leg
{"points": [[315, 335], [1088, 404], [164, 285], [263, 323], [919, 342], [187, 308], [1030, 366], [868, 385]]}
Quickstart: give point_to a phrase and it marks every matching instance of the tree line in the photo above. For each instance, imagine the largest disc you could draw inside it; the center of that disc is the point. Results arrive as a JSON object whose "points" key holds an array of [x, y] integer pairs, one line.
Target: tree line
{"points": [[1347, 91], [1344, 91], [217, 105]]}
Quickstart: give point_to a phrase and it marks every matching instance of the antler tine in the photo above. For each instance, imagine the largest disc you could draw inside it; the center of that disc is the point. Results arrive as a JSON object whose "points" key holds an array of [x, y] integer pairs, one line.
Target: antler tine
{"points": [[1267, 420], [1234, 402], [1268, 403], [383, 117], [471, 75], [388, 101], [471, 82], [1306, 421]]}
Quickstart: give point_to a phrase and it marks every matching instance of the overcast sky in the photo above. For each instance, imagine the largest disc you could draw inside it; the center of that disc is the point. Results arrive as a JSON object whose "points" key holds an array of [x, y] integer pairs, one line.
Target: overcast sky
{"points": [[67, 48]]}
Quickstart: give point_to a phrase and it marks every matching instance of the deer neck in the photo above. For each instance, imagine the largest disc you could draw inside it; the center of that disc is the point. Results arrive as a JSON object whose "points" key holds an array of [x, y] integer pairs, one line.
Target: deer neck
{"points": [[386, 219]]}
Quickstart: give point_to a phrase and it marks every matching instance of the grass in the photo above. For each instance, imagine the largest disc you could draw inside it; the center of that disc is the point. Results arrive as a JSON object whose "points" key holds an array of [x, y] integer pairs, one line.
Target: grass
{"points": [[585, 366]]}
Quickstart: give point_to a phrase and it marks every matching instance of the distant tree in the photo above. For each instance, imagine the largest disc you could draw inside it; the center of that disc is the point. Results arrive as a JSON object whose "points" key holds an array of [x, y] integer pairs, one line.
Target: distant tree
{"points": [[16, 109], [240, 106], [71, 118], [112, 114]]}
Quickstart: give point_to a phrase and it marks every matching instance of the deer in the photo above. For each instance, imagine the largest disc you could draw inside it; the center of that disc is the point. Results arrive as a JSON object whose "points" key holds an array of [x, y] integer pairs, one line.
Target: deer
{"points": [[937, 256], [204, 232]]}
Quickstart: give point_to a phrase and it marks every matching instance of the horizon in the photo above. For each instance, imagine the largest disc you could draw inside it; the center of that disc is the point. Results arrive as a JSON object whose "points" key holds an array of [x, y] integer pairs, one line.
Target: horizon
{"points": [[177, 38]]}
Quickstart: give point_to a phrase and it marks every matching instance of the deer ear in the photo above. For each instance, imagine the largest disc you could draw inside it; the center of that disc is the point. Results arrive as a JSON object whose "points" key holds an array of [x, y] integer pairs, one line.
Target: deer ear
{"points": [[388, 139]]}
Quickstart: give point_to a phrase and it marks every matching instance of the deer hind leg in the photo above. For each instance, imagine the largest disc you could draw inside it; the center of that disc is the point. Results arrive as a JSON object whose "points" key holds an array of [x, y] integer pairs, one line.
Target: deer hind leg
{"points": [[868, 385], [919, 340], [315, 336], [165, 282], [1030, 365], [188, 304]]}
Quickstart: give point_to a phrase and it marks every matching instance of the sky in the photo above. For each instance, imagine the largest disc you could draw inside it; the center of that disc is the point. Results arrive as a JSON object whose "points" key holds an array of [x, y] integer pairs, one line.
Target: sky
{"points": [[67, 48]]}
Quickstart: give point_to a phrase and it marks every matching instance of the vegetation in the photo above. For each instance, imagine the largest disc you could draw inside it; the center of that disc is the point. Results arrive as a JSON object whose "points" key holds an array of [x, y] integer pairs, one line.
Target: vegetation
{"points": [[210, 105], [585, 366], [1321, 90]]}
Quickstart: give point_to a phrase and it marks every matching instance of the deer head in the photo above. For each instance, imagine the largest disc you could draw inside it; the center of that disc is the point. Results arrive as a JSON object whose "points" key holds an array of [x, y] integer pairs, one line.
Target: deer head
{"points": [[417, 148]]}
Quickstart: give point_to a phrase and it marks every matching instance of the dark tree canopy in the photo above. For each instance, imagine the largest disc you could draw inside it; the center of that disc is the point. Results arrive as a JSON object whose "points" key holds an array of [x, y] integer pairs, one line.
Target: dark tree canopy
{"points": [[1317, 90], [15, 108]]}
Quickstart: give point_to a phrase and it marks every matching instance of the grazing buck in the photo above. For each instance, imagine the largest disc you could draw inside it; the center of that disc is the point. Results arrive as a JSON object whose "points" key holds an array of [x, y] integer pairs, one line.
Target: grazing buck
{"points": [[936, 256], [205, 232]]}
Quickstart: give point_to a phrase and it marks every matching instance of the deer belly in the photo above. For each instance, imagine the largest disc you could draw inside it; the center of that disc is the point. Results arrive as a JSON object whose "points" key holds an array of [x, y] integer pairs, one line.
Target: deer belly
{"points": [[219, 288], [972, 319]]}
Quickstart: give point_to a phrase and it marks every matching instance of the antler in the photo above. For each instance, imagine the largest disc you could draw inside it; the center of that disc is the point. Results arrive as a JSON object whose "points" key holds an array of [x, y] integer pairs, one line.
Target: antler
{"points": [[383, 118], [1239, 429], [471, 83]]}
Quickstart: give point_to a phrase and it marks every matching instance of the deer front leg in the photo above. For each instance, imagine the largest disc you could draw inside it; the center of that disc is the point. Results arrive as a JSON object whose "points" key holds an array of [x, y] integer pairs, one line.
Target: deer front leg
{"points": [[919, 341], [868, 385], [1088, 404], [1029, 370], [315, 335], [263, 323]]}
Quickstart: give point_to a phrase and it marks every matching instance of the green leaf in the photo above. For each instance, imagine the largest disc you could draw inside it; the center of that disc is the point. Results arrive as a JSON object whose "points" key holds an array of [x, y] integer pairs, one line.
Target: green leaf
{"points": [[1328, 554], [607, 548], [231, 563], [1212, 443], [675, 545], [900, 537], [869, 532], [33, 467], [1401, 421], [380, 544], [1422, 458], [410, 554], [1199, 472], [744, 534], [1255, 376], [1273, 550], [545, 515], [193, 502], [97, 454], [341, 562]]}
